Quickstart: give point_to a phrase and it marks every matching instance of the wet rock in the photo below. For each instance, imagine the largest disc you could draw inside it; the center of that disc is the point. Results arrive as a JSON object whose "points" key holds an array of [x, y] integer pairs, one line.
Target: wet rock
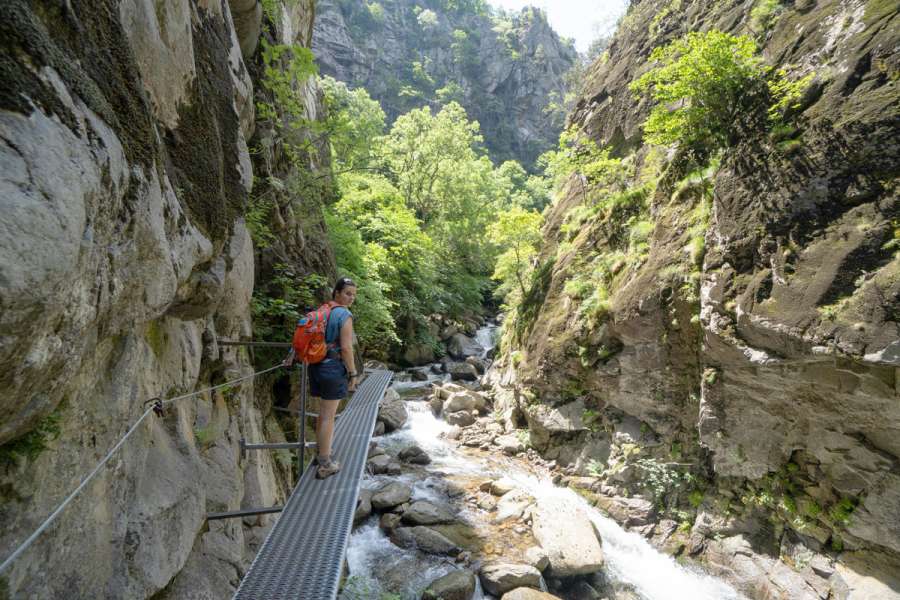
{"points": [[379, 429], [445, 390], [497, 578], [461, 398], [437, 405], [458, 585], [420, 374], [528, 594], [414, 455], [393, 415], [488, 503], [390, 395], [512, 505], [479, 364], [565, 531], [363, 507], [418, 354], [424, 539], [462, 418], [422, 512], [461, 347], [462, 372], [436, 368], [502, 486], [629, 512], [537, 558], [453, 433], [509, 444], [391, 495], [380, 464], [389, 521]]}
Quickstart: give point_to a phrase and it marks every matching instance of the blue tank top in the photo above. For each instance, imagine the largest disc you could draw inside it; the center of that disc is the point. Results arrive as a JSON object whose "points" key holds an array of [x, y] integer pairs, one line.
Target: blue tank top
{"points": [[336, 320]]}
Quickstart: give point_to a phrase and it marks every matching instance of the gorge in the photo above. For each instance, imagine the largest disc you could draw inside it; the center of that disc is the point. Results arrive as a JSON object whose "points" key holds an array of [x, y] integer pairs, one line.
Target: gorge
{"points": [[700, 342]]}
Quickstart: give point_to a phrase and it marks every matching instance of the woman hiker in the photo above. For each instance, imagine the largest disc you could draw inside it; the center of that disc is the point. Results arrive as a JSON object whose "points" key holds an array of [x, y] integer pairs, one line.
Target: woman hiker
{"points": [[331, 379]]}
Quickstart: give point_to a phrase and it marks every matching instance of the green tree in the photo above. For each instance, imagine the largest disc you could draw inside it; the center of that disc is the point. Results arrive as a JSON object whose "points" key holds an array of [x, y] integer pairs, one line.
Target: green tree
{"points": [[707, 85], [423, 152], [352, 121], [517, 233]]}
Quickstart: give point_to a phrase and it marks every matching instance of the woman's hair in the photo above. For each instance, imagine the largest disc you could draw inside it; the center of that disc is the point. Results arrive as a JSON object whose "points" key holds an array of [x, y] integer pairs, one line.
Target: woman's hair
{"points": [[340, 285]]}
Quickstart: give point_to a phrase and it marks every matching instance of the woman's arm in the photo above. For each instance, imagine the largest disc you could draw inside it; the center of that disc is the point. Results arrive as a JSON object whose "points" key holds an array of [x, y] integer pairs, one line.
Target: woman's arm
{"points": [[347, 351]]}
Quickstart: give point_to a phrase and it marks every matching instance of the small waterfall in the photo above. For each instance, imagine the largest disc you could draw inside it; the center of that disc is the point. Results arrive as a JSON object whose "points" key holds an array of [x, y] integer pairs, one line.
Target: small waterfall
{"points": [[487, 337]]}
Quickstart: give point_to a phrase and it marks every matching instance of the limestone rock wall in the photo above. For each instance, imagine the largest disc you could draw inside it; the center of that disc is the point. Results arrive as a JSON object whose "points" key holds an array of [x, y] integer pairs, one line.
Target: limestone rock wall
{"points": [[124, 130], [505, 81], [776, 379]]}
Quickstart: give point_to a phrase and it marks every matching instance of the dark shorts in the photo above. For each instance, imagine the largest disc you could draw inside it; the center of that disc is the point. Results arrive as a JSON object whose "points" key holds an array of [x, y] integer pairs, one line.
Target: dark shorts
{"points": [[328, 379]]}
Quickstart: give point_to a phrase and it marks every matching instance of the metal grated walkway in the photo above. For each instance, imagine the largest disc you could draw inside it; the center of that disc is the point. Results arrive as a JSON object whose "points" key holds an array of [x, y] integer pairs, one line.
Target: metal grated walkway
{"points": [[303, 555]]}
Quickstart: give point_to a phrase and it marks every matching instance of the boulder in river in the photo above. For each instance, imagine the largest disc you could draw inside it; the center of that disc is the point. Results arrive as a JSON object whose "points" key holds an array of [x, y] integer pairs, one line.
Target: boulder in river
{"points": [[389, 521], [445, 390], [414, 455], [392, 414], [418, 354], [390, 395], [509, 444], [462, 418], [524, 593], [422, 512], [630, 512], [424, 539], [458, 585], [363, 507], [391, 495], [497, 578], [537, 558], [565, 531], [462, 400], [382, 464], [460, 371], [501, 486], [419, 374], [461, 347], [512, 505], [479, 364]]}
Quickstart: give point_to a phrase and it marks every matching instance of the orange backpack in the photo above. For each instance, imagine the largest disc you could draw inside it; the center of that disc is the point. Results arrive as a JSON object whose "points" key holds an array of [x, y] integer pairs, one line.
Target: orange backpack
{"points": [[309, 337]]}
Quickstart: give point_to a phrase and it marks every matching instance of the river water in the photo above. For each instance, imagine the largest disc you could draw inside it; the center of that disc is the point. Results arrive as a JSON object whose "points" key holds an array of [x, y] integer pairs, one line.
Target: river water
{"points": [[376, 565]]}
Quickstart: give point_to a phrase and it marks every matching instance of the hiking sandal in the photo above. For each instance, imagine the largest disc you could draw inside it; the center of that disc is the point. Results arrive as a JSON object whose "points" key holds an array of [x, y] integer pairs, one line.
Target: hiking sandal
{"points": [[327, 468]]}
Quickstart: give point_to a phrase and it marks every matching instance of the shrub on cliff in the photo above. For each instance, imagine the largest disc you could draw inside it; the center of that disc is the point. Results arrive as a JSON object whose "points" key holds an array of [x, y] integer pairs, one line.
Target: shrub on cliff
{"points": [[708, 87]]}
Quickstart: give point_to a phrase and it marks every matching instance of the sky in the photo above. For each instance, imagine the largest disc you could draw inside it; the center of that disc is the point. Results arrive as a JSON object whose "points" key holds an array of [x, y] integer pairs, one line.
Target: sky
{"points": [[581, 20]]}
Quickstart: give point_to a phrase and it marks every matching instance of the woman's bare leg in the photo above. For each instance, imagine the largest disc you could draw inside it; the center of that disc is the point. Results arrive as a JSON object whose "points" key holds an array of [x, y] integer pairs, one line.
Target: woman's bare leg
{"points": [[325, 426]]}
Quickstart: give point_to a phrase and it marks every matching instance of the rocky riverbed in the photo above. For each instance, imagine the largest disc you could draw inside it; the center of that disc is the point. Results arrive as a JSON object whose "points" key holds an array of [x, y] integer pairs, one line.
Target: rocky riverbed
{"points": [[455, 508]]}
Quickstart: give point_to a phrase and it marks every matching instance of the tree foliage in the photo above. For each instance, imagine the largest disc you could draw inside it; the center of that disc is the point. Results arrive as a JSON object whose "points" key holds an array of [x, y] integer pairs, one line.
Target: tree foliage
{"points": [[517, 230], [414, 223], [706, 85]]}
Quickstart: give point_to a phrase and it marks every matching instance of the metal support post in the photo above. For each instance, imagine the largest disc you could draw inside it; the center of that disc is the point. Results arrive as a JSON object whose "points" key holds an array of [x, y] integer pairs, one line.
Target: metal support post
{"points": [[301, 418]]}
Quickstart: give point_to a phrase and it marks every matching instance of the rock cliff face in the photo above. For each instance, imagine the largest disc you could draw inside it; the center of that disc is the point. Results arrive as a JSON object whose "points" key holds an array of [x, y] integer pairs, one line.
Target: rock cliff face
{"points": [[124, 256], [409, 54], [746, 376]]}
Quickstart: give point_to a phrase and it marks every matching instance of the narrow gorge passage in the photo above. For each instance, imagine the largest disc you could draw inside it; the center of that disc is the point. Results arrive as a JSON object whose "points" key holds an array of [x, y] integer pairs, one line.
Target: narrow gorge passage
{"points": [[635, 263]]}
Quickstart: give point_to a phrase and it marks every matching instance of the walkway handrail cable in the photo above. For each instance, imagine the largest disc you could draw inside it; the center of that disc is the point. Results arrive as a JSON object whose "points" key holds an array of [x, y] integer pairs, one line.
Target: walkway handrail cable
{"points": [[37, 532]]}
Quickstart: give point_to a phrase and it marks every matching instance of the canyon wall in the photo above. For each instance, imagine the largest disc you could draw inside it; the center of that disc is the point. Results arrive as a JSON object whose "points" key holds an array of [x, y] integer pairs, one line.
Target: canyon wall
{"points": [[124, 257], [721, 349]]}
